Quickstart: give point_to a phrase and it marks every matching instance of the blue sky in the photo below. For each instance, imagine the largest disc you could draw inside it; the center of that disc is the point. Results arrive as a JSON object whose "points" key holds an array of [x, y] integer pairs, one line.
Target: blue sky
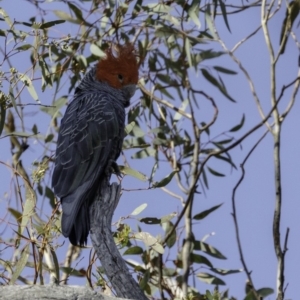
{"points": [[255, 197]]}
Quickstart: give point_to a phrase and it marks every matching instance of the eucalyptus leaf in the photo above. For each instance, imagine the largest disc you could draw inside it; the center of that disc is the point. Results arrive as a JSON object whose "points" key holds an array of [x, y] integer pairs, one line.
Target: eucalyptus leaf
{"points": [[20, 265]]}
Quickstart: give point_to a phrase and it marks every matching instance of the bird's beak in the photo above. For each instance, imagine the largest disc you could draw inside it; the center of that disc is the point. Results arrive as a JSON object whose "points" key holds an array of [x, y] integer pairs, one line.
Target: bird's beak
{"points": [[130, 89]]}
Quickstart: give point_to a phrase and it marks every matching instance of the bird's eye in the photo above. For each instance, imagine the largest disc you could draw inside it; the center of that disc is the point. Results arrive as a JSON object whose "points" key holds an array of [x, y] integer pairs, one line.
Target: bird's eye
{"points": [[120, 77]]}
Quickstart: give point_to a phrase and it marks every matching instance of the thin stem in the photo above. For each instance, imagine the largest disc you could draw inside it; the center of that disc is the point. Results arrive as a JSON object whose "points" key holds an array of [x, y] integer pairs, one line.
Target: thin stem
{"points": [[234, 215]]}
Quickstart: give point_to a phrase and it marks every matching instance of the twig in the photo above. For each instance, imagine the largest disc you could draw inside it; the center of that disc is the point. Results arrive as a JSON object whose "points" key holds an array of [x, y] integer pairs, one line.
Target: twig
{"points": [[164, 102], [234, 215]]}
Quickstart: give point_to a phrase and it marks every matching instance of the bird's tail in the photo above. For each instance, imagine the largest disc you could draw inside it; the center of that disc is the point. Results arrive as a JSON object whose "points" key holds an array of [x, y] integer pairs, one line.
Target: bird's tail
{"points": [[75, 221]]}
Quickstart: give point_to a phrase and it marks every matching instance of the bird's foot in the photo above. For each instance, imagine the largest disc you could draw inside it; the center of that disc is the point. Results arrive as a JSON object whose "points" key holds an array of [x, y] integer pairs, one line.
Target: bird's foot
{"points": [[113, 167]]}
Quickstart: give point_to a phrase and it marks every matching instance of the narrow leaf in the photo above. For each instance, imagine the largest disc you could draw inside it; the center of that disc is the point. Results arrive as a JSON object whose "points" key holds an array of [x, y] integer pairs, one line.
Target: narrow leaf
{"points": [[129, 127], [200, 259], [168, 226], [56, 264], [210, 78], [51, 23], [212, 171], [139, 209], [134, 250], [264, 292], [149, 151], [133, 173], [239, 126], [24, 47], [13, 100], [210, 25], [2, 116], [150, 241], [150, 221], [224, 70], [29, 206], [97, 51], [208, 249], [210, 279], [64, 16], [165, 181], [226, 272], [224, 13], [28, 83], [205, 213], [20, 265]]}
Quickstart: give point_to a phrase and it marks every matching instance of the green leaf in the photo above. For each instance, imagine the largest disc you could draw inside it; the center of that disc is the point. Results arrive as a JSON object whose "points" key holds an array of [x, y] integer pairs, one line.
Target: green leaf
{"points": [[165, 181], [208, 19], [20, 265], [17, 215], [224, 13], [134, 250], [57, 105], [73, 272], [150, 221], [182, 107], [24, 47], [226, 272], [129, 127], [200, 259], [6, 18], [210, 279], [210, 54], [205, 179], [51, 23], [188, 51], [228, 160], [13, 100], [64, 16], [56, 264], [208, 249], [168, 218], [133, 173], [29, 206], [28, 83], [216, 83], [49, 138], [167, 227], [143, 283], [139, 209], [50, 195], [150, 241], [153, 171], [144, 153], [97, 51], [77, 11], [264, 292], [137, 131], [2, 32], [224, 70], [215, 172], [205, 213], [193, 13], [239, 126], [2, 116], [35, 129]]}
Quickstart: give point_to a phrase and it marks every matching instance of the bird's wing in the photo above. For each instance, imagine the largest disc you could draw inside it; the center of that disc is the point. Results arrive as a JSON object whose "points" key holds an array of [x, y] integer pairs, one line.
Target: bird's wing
{"points": [[86, 137], [87, 140]]}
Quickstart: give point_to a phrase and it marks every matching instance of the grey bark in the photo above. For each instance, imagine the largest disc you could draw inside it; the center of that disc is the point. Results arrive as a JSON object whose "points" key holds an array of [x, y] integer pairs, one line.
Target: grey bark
{"points": [[37, 292], [101, 212]]}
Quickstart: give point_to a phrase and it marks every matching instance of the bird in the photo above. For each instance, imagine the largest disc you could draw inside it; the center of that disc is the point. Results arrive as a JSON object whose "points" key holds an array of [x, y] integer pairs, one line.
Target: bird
{"points": [[91, 135]]}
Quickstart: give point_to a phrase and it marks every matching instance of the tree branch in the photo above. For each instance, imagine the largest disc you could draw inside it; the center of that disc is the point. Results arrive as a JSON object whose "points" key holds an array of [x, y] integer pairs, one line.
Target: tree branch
{"points": [[101, 212]]}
